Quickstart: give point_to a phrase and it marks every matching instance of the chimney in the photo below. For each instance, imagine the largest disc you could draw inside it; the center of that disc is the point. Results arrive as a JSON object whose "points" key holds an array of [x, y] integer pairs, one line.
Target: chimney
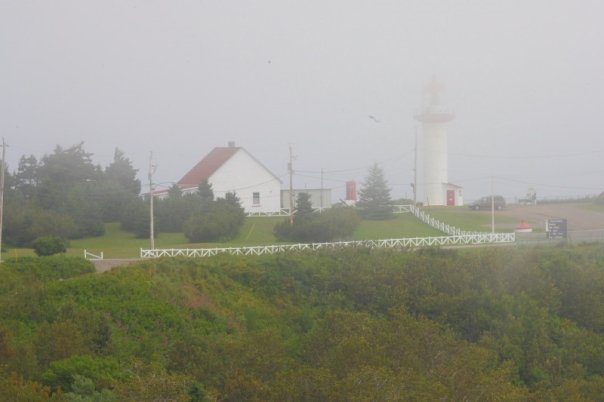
{"points": [[231, 144]]}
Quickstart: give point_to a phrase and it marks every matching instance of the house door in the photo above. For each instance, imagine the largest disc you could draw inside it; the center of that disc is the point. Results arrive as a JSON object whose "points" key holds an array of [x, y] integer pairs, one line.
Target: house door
{"points": [[450, 198]]}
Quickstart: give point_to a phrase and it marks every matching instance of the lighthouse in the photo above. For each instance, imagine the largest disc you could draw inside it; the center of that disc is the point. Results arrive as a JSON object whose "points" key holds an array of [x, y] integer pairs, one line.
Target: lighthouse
{"points": [[435, 115]]}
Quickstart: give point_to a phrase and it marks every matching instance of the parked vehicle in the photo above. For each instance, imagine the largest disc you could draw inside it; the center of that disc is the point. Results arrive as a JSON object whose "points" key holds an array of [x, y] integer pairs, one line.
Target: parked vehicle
{"points": [[485, 203]]}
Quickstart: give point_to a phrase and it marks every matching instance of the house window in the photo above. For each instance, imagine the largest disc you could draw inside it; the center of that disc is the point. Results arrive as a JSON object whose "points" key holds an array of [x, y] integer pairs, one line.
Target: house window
{"points": [[256, 198]]}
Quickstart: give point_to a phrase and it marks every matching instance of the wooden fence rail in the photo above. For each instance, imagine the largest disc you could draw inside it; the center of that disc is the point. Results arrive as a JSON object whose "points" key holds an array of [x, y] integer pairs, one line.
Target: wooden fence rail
{"points": [[412, 242]]}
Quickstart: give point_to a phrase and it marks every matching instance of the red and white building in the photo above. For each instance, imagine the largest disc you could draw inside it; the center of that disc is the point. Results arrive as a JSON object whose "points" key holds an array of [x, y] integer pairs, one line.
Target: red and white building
{"points": [[435, 188], [233, 169]]}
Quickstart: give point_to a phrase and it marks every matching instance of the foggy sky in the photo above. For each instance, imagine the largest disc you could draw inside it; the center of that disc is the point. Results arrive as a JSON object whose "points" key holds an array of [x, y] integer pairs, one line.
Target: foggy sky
{"points": [[178, 78]]}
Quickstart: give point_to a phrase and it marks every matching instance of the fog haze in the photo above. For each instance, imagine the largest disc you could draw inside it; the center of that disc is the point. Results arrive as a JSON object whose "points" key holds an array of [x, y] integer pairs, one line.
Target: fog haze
{"points": [[337, 80]]}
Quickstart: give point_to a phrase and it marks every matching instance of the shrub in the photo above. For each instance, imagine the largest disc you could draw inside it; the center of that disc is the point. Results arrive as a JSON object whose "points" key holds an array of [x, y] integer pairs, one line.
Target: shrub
{"points": [[221, 221], [333, 224], [51, 268], [202, 228], [103, 371], [49, 245]]}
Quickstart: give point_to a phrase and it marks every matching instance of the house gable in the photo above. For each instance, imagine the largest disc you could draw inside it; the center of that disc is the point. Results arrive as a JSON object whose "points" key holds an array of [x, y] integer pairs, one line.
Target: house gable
{"points": [[233, 169], [207, 166]]}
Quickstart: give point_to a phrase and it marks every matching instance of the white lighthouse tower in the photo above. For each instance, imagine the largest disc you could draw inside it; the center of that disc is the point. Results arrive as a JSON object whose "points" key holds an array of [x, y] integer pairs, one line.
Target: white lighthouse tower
{"points": [[434, 115]]}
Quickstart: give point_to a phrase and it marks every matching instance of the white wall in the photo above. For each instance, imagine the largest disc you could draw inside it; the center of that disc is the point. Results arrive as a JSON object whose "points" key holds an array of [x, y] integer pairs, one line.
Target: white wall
{"points": [[316, 196], [435, 161], [243, 175]]}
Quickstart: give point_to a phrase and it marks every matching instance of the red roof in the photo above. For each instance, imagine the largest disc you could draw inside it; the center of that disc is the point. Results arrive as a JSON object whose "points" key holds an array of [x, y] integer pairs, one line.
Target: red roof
{"points": [[208, 166]]}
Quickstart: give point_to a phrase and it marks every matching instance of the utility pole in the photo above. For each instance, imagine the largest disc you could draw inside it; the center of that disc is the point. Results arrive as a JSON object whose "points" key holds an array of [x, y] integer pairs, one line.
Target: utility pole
{"points": [[291, 186], [4, 145], [492, 206], [152, 168], [322, 172], [415, 170]]}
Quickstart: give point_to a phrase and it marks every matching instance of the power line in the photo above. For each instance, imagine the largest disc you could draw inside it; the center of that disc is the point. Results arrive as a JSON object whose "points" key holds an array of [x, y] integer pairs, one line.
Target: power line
{"points": [[543, 156], [365, 167]]}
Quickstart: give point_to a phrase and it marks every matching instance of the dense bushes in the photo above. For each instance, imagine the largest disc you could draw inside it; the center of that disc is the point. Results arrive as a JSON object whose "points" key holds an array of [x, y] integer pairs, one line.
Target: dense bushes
{"points": [[49, 245], [64, 194], [335, 223], [47, 269], [479, 324], [221, 220]]}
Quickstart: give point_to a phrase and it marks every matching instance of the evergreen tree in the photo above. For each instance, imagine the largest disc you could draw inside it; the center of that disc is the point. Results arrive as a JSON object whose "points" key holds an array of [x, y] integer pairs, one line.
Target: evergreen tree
{"points": [[122, 172], [26, 178], [206, 195], [174, 191], [304, 211], [374, 200], [60, 171], [63, 185], [117, 188]]}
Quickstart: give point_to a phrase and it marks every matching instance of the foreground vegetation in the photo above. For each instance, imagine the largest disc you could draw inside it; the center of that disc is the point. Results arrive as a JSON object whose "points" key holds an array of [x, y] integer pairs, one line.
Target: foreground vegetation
{"points": [[356, 324]]}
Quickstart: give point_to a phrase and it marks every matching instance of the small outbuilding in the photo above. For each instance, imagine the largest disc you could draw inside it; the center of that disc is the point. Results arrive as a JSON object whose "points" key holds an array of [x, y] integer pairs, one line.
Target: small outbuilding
{"points": [[454, 195], [320, 198]]}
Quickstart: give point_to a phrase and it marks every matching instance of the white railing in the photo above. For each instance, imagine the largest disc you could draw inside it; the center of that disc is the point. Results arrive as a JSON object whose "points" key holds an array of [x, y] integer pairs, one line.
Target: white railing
{"points": [[89, 256], [402, 209], [436, 224], [281, 212], [412, 242]]}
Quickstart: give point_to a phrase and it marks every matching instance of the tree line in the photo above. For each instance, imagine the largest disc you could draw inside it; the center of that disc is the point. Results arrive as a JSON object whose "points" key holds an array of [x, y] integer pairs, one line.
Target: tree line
{"points": [[65, 195]]}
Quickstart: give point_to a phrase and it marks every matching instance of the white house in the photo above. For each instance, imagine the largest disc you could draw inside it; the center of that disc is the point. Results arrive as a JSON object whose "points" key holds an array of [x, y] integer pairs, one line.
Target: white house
{"points": [[233, 169]]}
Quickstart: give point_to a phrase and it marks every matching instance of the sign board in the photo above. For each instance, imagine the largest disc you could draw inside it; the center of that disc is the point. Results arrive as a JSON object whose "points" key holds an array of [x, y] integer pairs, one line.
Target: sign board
{"points": [[556, 228]]}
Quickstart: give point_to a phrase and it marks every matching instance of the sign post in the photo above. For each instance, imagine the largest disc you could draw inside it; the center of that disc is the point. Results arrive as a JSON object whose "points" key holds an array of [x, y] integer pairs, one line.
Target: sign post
{"points": [[556, 228]]}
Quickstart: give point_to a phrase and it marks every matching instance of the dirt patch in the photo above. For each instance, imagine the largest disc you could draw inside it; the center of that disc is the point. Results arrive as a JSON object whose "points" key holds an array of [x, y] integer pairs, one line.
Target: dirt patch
{"points": [[106, 265]]}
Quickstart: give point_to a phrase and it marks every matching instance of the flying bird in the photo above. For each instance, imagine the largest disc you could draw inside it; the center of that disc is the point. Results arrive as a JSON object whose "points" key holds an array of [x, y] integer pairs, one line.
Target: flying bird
{"points": [[373, 118]]}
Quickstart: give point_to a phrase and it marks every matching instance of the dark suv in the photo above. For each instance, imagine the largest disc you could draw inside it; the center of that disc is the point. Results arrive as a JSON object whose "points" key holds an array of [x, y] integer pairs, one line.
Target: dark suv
{"points": [[485, 203]]}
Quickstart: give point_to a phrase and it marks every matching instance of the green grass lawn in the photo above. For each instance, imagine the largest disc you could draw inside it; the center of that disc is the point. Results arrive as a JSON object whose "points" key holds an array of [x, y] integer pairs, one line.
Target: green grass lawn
{"points": [[116, 243], [404, 225], [467, 219]]}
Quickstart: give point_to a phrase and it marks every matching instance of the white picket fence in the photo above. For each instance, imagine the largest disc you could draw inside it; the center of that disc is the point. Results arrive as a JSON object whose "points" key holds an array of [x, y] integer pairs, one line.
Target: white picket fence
{"points": [[89, 256], [412, 242], [435, 223]]}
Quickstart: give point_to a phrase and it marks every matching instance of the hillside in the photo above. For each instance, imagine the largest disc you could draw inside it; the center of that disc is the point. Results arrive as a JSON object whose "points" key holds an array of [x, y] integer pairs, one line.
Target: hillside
{"points": [[525, 324], [582, 218]]}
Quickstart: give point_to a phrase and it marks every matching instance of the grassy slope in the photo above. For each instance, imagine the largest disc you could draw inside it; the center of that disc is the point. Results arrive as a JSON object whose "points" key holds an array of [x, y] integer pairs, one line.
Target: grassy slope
{"points": [[467, 219], [404, 225], [259, 231]]}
